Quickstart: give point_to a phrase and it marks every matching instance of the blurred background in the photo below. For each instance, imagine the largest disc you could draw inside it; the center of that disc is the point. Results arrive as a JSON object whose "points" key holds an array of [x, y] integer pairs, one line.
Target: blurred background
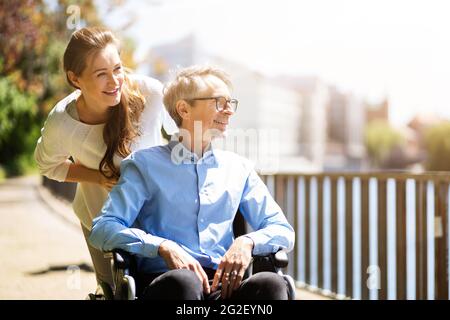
{"points": [[349, 86]]}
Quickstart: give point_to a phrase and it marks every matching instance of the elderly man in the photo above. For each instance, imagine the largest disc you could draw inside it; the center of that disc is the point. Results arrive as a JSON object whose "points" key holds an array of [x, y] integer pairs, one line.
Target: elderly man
{"points": [[174, 205]]}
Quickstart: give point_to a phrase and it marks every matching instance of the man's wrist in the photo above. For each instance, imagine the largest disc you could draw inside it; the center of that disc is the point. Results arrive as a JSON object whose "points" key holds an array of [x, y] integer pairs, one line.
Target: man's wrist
{"points": [[247, 241], [164, 247]]}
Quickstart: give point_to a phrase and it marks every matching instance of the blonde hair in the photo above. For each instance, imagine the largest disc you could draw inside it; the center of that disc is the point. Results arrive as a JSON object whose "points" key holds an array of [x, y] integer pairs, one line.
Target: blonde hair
{"points": [[122, 124], [187, 84]]}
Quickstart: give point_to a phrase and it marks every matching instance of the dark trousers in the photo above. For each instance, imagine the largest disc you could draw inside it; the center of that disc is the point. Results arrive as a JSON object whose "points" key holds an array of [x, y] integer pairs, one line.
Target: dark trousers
{"points": [[183, 284]]}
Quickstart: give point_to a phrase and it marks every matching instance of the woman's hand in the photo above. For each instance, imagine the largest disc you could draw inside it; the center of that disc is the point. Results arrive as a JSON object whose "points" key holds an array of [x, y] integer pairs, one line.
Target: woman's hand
{"points": [[79, 173], [176, 258], [233, 265], [107, 183]]}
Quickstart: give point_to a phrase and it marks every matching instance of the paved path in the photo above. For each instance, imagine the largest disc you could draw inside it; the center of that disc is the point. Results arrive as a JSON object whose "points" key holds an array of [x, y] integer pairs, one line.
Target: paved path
{"points": [[43, 253]]}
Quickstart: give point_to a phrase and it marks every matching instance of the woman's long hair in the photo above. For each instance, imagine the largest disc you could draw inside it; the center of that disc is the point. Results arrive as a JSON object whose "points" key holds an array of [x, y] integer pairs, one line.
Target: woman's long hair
{"points": [[122, 124]]}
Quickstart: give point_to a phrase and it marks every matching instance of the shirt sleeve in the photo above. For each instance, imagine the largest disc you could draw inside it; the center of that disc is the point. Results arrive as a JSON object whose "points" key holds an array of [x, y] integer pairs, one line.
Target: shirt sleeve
{"points": [[50, 153], [112, 229], [273, 232]]}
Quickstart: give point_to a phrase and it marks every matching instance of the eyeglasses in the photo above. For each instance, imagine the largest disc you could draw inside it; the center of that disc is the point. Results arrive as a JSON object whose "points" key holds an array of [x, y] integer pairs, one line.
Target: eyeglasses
{"points": [[221, 103]]}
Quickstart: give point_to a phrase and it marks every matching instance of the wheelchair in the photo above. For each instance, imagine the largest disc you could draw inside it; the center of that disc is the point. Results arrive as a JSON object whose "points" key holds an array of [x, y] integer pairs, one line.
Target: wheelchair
{"points": [[124, 270]]}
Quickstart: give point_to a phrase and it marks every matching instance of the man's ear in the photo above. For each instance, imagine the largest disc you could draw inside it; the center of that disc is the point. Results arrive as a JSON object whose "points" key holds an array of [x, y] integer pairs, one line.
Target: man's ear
{"points": [[183, 109], [73, 79]]}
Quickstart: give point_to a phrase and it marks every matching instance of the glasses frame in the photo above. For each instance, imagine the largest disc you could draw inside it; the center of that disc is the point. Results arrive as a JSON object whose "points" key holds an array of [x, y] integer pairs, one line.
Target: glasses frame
{"points": [[228, 101]]}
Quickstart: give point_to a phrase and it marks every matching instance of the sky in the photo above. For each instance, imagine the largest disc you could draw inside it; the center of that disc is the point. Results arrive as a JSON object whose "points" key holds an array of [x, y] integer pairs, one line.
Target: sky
{"points": [[374, 49]]}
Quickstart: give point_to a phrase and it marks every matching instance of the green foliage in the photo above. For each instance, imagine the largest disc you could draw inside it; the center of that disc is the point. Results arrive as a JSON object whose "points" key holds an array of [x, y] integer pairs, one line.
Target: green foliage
{"points": [[380, 139], [32, 43], [19, 127], [437, 144], [2, 174], [33, 37]]}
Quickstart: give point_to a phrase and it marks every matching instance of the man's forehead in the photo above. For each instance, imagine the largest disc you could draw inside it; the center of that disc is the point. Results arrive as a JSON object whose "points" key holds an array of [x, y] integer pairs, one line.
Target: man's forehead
{"points": [[211, 84]]}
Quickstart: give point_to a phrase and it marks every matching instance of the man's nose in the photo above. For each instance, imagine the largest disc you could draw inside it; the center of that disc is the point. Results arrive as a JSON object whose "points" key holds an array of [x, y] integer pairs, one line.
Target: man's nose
{"points": [[228, 110]]}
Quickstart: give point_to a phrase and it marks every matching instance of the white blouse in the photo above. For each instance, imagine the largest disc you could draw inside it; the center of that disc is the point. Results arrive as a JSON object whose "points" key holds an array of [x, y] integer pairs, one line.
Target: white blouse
{"points": [[64, 136]]}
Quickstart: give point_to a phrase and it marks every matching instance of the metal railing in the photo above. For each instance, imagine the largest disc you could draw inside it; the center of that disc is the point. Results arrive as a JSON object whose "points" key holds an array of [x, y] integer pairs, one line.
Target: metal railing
{"points": [[370, 235]]}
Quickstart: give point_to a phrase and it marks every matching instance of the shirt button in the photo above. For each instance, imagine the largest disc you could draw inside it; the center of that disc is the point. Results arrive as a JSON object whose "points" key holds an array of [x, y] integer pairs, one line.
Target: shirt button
{"points": [[202, 220]]}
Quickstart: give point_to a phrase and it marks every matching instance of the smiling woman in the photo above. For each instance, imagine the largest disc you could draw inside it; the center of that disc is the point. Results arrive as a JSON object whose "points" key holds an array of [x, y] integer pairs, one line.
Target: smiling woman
{"points": [[111, 114]]}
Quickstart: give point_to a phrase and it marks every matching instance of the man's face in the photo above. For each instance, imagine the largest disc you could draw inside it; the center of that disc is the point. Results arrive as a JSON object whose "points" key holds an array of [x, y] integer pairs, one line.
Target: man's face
{"points": [[213, 122]]}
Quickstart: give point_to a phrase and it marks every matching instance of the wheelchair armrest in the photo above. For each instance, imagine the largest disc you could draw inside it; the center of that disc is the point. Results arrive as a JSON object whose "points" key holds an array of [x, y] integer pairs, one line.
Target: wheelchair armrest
{"points": [[121, 259], [270, 262], [280, 259]]}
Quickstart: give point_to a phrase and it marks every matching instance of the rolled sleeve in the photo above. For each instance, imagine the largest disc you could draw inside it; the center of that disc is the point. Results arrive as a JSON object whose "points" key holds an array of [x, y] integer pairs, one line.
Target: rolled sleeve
{"points": [[50, 154]]}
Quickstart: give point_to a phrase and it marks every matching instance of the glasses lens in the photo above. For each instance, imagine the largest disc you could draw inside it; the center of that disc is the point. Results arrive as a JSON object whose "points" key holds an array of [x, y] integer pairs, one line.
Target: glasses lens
{"points": [[221, 103], [233, 104]]}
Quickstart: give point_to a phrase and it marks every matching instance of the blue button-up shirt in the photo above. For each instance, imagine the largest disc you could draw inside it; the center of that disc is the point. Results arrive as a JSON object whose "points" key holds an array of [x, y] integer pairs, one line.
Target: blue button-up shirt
{"points": [[167, 192]]}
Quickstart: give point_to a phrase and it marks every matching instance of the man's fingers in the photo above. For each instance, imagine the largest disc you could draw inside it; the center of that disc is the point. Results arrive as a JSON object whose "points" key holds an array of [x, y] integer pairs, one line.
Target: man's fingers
{"points": [[236, 276], [217, 276], [204, 279], [239, 277], [224, 292], [201, 275], [226, 279], [216, 280]]}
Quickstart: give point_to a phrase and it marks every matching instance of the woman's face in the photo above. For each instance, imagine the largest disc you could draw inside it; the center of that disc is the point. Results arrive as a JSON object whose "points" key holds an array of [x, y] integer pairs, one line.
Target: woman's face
{"points": [[102, 79]]}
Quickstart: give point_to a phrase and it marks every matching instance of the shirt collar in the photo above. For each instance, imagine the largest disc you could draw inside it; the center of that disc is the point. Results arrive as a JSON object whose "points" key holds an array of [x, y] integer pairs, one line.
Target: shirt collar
{"points": [[181, 154]]}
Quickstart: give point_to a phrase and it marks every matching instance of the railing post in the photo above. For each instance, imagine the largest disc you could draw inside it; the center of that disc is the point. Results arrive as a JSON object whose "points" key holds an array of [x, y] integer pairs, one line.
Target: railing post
{"points": [[290, 200], [401, 239], [334, 236], [421, 240], [296, 226], [320, 227], [349, 236], [280, 192], [307, 230], [441, 262], [364, 237], [382, 237]]}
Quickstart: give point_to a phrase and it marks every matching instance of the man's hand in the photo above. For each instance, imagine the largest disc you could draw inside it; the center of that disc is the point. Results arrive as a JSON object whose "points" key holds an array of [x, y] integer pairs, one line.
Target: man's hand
{"points": [[176, 258], [233, 265]]}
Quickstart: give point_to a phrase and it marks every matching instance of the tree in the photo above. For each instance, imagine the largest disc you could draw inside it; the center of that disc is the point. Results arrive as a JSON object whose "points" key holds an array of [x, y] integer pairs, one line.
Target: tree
{"points": [[381, 139], [32, 42], [31, 45], [437, 144]]}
